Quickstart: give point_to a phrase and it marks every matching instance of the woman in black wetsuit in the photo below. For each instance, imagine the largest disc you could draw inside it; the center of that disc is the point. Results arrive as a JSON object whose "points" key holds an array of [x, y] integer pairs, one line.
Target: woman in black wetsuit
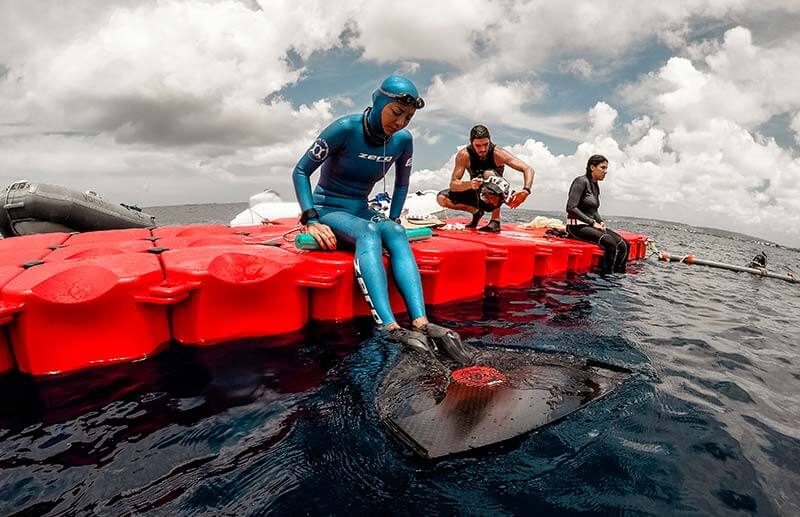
{"points": [[585, 224]]}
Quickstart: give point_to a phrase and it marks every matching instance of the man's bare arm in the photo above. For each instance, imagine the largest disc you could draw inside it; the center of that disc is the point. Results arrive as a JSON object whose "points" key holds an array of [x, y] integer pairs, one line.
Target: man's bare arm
{"points": [[456, 184], [506, 158]]}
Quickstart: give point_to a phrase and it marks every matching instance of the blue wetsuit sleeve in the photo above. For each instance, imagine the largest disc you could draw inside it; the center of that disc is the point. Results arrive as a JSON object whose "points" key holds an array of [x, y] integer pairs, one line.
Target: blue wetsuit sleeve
{"points": [[328, 142], [402, 175]]}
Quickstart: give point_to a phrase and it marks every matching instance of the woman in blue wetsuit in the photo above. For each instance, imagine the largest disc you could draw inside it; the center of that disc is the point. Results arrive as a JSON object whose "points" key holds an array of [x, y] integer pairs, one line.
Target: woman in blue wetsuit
{"points": [[355, 152], [584, 222]]}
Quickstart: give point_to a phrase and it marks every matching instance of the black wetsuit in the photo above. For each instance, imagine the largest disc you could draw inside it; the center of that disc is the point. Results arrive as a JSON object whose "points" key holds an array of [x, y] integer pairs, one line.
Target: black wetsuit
{"points": [[477, 166], [582, 206]]}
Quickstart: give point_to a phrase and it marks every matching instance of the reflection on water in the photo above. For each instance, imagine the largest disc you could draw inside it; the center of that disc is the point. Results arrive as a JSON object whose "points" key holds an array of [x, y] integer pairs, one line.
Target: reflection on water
{"points": [[289, 425]]}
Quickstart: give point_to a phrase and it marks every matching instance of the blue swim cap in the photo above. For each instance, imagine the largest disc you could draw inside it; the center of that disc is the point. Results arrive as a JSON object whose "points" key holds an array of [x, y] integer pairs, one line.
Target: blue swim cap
{"points": [[393, 89]]}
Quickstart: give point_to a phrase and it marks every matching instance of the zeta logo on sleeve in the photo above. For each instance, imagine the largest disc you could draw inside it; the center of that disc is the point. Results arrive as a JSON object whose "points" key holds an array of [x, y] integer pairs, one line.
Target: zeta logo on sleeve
{"points": [[319, 150], [408, 163]]}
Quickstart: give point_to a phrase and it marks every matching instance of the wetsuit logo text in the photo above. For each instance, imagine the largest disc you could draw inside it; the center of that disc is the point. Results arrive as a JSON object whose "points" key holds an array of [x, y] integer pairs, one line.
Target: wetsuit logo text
{"points": [[379, 159]]}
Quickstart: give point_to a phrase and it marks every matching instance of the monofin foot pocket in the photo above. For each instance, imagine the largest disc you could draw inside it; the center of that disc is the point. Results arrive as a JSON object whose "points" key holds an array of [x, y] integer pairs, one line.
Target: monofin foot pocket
{"points": [[449, 343], [411, 340]]}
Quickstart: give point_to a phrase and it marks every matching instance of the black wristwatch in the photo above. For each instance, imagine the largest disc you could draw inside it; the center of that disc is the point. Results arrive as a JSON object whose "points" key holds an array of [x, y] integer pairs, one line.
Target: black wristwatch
{"points": [[527, 189], [311, 213]]}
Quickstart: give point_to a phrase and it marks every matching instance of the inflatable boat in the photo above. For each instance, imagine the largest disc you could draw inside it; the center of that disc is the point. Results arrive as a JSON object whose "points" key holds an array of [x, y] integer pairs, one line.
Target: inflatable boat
{"points": [[34, 208]]}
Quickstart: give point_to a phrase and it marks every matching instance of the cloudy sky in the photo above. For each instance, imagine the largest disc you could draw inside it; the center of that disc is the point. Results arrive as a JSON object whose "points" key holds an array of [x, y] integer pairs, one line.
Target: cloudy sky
{"points": [[695, 102]]}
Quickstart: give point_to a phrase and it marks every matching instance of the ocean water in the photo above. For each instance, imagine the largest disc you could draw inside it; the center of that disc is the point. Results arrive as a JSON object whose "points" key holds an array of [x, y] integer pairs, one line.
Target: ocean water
{"points": [[709, 425]]}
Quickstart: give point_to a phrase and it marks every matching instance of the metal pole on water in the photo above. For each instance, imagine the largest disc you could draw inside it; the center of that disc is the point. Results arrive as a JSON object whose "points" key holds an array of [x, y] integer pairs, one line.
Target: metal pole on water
{"points": [[691, 259]]}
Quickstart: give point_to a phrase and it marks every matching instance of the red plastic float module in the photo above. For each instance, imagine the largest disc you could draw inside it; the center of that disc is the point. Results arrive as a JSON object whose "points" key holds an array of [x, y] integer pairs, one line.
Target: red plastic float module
{"points": [[451, 269], [77, 313], [193, 230], [585, 256], [107, 236], [23, 257], [344, 300], [39, 241], [638, 247], [194, 241], [509, 262], [7, 312], [240, 291], [564, 257], [98, 249], [6, 359], [29, 249], [278, 226]]}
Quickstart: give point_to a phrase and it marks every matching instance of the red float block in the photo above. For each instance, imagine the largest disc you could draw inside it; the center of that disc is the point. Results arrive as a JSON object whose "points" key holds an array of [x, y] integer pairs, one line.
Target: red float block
{"points": [[509, 262], [78, 313], [27, 242], [564, 258], [98, 249], [281, 232], [240, 291], [193, 230], [597, 257], [638, 247], [22, 257], [451, 269], [344, 299], [7, 312], [6, 359], [29, 249], [276, 227], [587, 255], [107, 236], [194, 241]]}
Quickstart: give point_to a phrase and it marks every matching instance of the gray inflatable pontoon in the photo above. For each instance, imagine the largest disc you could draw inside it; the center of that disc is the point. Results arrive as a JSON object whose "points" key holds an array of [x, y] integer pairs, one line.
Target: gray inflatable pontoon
{"points": [[29, 208]]}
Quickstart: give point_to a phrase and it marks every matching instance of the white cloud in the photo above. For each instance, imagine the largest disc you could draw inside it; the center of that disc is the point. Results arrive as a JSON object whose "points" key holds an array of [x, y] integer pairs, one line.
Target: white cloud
{"points": [[638, 127], [579, 67], [532, 33], [426, 135], [674, 37], [601, 119], [736, 81], [445, 30], [168, 94], [650, 147], [205, 89], [407, 68], [472, 94], [795, 125], [473, 98]]}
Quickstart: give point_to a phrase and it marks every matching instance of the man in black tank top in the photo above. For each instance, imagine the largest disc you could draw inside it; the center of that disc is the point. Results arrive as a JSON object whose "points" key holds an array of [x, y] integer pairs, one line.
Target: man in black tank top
{"points": [[482, 160], [478, 164]]}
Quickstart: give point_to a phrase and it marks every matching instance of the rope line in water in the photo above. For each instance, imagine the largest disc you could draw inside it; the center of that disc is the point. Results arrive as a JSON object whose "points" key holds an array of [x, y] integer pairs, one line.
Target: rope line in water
{"points": [[691, 259]]}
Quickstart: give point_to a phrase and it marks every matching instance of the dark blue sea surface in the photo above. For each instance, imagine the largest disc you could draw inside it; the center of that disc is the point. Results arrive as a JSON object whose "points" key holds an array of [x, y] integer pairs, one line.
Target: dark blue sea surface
{"points": [[709, 425]]}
